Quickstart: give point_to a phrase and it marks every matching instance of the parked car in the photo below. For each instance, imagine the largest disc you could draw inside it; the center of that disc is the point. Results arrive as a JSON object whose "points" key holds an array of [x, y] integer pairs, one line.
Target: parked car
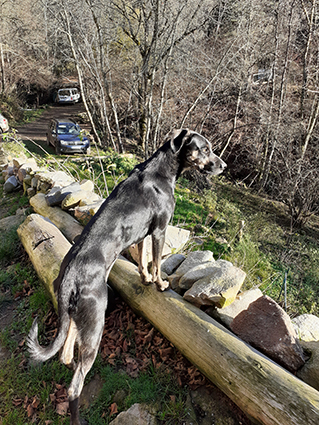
{"points": [[66, 136], [4, 125], [69, 95]]}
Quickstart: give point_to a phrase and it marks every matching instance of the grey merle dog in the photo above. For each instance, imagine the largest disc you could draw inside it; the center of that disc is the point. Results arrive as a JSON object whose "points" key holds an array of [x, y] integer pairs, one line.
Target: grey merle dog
{"points": [[139, 206]]}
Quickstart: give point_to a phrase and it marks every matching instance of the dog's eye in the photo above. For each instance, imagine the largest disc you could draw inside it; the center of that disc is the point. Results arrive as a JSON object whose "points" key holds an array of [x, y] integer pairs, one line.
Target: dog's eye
{"points": [[206, 151]]}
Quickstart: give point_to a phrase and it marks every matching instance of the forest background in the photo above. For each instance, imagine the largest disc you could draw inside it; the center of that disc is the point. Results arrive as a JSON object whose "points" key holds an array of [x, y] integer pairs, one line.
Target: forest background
{"points": [[243, 73]]}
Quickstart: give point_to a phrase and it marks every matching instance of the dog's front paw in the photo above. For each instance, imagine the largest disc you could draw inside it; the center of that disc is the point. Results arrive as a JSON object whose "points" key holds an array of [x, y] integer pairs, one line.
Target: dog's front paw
{"points": [[162, 285], [146, 279]]}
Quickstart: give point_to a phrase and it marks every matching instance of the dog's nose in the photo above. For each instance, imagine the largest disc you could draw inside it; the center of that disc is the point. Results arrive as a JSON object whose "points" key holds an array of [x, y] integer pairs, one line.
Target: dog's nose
{"points": [[223, 165]]}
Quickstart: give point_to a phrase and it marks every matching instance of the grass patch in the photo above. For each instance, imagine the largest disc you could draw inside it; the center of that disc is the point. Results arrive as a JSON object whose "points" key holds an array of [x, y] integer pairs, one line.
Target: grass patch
{"points": [[154, 387], [18, 385]]}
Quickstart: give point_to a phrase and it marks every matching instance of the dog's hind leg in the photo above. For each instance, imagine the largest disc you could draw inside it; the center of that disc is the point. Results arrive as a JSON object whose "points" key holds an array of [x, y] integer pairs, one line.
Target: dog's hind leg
{"points": [[158, 239], [67, 356], [146, 277], [87, 355]]}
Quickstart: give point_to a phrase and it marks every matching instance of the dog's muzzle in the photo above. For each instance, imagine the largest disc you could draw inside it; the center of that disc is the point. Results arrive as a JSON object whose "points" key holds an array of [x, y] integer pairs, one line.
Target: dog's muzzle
{"points": [[215, 166]]}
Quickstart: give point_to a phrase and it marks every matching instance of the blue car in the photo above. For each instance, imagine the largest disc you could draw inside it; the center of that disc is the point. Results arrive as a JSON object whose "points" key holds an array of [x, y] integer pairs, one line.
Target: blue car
{"points": [[66, 136]]}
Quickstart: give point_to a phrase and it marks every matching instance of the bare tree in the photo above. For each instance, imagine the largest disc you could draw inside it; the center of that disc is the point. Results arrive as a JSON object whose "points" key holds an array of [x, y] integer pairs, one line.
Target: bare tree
{"points": [[155, 28]]}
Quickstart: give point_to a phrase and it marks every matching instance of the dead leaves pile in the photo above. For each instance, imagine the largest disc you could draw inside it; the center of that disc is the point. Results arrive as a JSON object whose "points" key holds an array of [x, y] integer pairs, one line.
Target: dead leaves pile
{"points": [[133, 343]]}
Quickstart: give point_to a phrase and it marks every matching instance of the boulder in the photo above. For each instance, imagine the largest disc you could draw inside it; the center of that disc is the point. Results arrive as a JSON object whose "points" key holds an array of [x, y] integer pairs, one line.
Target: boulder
{"points": [[84, 197], [11, 184], [267, 327], [220, 288], [12, 221], [17, 161], [193, 259], [57, 194], [138, 414], [306, 327], [227, 314], [170, 264], [7, 172], [26, 183], [196, 273], [87, 185], [55, 178], [27, 168], [309, 373], [175, 239]]}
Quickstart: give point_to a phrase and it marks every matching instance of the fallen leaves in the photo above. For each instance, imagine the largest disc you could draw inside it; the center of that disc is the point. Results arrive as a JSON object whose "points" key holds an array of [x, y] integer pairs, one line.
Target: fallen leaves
{"points": [[31, 406], [134, 343], [113, 409], [59, 400]]}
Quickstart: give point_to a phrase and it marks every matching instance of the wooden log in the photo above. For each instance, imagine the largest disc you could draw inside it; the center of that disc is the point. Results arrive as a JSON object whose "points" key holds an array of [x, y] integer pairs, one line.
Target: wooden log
{"points": [[266, 392], [68, 225], [46, 247]]}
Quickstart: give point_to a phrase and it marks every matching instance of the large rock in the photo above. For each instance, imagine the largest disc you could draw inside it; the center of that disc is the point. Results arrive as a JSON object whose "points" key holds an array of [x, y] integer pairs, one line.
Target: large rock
{"points": [[306, 327], [8, 223], [170, 264], [11, 184], [175, 239], [267, 327], [57, 194], [309, 373], [55, 178], [87, 185], [27, 168], [193, 259], [220, 288], [84, 213], [197, 273], [243, 300], [82, 197], [137, 414]]}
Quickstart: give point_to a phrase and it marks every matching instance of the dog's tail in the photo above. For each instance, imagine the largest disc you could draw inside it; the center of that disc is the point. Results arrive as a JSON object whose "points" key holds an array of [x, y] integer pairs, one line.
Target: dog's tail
{"points": [[41, 354]]}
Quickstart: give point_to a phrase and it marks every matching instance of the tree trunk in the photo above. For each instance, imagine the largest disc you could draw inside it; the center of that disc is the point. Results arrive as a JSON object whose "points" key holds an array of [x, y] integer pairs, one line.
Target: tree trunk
{"points": [[261, 388], [79, 72]]}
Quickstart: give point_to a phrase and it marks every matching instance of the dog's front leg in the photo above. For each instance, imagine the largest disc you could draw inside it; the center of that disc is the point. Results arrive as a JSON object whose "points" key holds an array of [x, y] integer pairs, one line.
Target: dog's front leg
{"points": [[146, 277], [158, 239]]}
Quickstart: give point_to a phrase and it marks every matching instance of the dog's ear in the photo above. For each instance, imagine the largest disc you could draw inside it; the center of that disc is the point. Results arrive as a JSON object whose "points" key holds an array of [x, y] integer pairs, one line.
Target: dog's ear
{"points": [[178, 138]]}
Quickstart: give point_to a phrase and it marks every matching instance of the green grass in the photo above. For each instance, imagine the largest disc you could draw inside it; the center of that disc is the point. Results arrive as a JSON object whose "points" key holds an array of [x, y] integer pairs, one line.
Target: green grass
{"points": [[18, 382], [154, 387]]}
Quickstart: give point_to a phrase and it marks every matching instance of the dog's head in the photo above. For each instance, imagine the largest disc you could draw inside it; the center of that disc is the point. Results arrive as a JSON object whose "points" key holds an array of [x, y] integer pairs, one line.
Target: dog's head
{"points": [[197, 152]]}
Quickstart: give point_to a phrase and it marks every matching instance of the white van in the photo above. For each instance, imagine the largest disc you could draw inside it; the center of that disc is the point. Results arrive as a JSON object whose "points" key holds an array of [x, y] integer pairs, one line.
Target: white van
{"points": [[69, 95]]}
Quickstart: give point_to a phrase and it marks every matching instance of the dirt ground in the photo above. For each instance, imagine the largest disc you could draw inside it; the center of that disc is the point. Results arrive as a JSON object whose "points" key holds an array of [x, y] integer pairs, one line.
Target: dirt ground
{"points": [[37, 130]]}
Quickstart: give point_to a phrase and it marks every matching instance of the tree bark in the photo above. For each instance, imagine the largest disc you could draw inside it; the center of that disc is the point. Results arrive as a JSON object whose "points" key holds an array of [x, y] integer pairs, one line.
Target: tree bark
{"points": [[46, 247]]}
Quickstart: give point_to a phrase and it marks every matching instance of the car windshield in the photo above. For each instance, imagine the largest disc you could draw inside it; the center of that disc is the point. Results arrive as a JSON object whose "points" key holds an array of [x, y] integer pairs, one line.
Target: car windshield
{"points": [[64, 92], [68, 128]]}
